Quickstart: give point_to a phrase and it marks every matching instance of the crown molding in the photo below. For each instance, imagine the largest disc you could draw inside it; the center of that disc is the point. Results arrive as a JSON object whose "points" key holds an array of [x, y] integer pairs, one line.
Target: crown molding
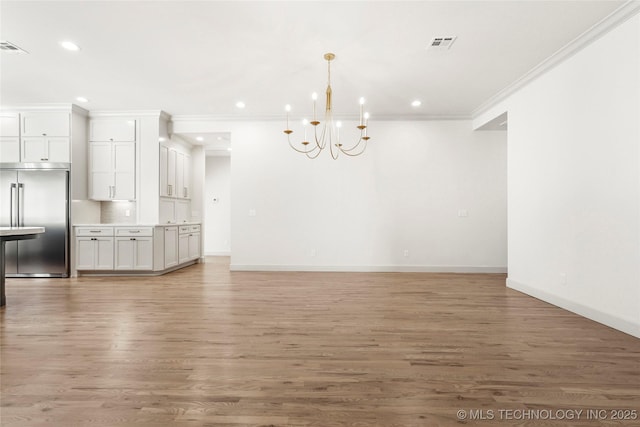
{"points": [[614, 19], [281, 117], [45, 107], [128, 113]]}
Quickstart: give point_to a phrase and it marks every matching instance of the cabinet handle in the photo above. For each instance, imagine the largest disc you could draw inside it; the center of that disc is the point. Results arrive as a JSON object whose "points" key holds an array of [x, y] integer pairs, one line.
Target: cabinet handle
{"points": [[170, 189], [44, 160], [94, 231], [134, 231], [133, 238], [44, 134]]}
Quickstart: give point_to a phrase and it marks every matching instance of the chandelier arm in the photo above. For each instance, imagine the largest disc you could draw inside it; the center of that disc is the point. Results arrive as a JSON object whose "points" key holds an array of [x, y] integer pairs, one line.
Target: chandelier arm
{"points": [[347, 153], [337, 151], [298, 150], [321, 143], [291, 145], [344, 150], [308, 153]]}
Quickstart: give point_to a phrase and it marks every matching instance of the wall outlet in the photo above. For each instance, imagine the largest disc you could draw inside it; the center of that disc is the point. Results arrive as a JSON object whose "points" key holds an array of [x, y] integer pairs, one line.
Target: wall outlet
{"points": [[406, 253], [463, 213], [252, 212], [313, 252]]}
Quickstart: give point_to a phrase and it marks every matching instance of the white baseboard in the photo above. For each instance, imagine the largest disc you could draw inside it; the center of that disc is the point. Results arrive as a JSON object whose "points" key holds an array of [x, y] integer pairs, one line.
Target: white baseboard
{"points": [[591, 313], [372, 268], [218, 253]]}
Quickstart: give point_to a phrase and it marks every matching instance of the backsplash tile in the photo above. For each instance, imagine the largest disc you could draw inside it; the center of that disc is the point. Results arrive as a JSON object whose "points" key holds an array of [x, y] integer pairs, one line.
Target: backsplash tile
{"points": [[116, 212]]}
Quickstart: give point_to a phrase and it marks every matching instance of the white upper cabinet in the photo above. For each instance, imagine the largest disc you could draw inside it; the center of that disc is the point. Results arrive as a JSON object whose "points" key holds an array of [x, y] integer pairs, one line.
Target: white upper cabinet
{"points": [[116, 129], [46, 124], [175, 173], [9, 124], [112, 171], [45, 149]]}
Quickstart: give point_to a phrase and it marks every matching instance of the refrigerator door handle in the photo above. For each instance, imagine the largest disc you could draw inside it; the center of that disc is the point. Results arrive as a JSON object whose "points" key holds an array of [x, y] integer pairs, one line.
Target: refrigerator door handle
{"points": [[13, 204], [20, 204]]}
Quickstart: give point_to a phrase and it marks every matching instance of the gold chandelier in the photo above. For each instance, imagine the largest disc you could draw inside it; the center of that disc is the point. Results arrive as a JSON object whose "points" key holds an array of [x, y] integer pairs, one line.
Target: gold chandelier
{"points": [[330, 134]]}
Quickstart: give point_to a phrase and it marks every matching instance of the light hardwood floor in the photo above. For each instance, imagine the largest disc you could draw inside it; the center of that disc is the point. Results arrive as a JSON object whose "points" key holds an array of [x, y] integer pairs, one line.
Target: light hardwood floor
{"points": [[205, 347]]}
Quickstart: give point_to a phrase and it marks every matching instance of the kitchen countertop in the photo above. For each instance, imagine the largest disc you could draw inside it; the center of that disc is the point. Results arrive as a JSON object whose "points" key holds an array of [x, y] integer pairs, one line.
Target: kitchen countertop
{"points": [[20, 231], [138, 225]]}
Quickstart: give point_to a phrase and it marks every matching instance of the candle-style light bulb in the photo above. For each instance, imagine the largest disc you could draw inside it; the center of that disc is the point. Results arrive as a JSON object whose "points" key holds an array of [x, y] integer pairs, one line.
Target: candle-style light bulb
{"points": [[361, 109], [366, 120], [314, 96], [287, 108], [305, 122]]}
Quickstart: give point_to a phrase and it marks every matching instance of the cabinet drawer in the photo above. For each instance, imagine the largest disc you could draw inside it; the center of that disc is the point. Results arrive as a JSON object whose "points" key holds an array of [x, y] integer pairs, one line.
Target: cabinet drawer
{"points": [[94, 231], [184, 229], [194, 228], [134, 231]]}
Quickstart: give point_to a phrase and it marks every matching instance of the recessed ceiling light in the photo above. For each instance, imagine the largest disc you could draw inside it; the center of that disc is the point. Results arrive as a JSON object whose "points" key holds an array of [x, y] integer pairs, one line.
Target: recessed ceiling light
{"points": [[240, 104], [199, 138], [82, 99], [70, 46], [416, 103]]}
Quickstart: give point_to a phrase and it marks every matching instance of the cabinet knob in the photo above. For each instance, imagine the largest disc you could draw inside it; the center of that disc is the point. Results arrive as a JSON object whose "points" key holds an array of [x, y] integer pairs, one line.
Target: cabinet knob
{"points": [[44, 134]]}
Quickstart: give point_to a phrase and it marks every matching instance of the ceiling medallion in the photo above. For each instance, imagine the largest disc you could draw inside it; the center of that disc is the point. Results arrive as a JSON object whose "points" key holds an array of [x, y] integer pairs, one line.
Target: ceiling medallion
{"points": [[330, 134]]}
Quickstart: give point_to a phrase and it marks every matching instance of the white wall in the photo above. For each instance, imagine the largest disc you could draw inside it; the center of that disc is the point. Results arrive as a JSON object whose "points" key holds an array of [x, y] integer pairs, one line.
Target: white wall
{"points": [[217, 224], [363, 213], [574, 182]]}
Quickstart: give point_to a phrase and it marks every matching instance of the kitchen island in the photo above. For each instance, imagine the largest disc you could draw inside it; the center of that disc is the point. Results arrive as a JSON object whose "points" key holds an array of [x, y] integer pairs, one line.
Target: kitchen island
{"points": [[9, 234]]}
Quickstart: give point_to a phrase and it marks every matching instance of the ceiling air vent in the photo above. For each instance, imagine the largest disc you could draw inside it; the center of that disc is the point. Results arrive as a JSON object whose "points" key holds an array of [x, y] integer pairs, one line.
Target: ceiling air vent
{"points": [[443, 43], [6, 46]]}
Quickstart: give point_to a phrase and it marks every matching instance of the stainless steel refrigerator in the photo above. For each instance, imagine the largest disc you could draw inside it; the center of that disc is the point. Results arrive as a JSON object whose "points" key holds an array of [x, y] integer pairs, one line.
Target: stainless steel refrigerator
{"points": [[36, 196]]}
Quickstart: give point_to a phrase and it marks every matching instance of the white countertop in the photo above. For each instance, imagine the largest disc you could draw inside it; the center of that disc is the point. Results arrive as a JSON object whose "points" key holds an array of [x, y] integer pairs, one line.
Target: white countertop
{"points": [[138, 225], [20, 231]]}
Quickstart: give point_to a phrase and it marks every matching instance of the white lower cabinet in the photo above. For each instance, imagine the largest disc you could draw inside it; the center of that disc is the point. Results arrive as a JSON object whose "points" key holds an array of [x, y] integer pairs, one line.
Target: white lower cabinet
{"points": [[94, 248], [194, 246], [170, 247], [134, 248]]}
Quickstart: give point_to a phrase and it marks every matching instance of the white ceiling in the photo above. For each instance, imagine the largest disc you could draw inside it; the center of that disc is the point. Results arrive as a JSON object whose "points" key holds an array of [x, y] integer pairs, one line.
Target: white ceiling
{"points": [[201, 57]]}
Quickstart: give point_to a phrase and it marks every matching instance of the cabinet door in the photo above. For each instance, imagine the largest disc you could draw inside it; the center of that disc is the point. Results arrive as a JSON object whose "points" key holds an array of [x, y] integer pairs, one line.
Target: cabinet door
{"points": [[46, 124], [124, 168], [171, 172], [125, 253], [121, 130], [187, 176], [9, 124], [143, 253], [104, 253], [34, 150], [179, 193], [183, 248], [170, 246], [9, 150], [85, 253], [164, 170], [194, 246], [58, 150], [100, 171]]}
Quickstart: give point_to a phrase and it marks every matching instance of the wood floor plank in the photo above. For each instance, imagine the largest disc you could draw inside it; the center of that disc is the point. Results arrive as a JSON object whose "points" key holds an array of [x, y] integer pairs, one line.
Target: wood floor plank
{"points": [[205, 347]]}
